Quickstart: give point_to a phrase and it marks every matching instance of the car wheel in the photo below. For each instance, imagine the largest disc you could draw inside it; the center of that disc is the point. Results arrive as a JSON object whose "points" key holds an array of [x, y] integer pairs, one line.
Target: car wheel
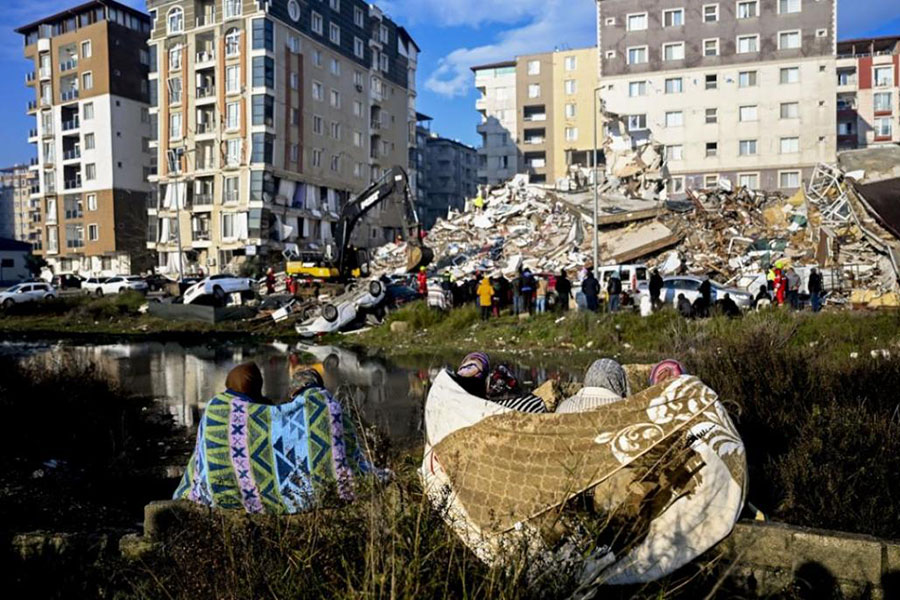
{"points": [[123, 289], [308, 313], [99, 292], [330, 313], [375, 288], [8, 303]]}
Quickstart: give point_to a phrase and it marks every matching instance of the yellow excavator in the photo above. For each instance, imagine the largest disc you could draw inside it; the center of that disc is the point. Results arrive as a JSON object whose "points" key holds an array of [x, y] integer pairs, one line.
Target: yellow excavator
{"points": [[341, 262]]}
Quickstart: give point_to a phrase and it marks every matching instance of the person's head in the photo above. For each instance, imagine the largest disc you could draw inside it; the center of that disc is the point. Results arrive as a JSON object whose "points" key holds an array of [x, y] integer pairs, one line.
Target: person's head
{"points": [[813, 271], [607, 373], [502, 382], [562, 273], [681, 296], [304, 379], [475, 365], [246, 379], [421, 269], [763, 289], [665, 370], [727, 296]]}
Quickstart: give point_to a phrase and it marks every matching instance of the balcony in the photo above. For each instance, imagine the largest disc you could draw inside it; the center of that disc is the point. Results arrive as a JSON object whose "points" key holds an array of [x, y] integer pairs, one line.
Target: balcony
{"points": [[30, 78], [74, 213], [32, 133], [49, 159], [46, 102], [205, 20], [200, 236], [32, 106], [34, 189], [69, 95], [70, 125], [206, 92], [204, 199], [33, 161], [535, 117], [72, 184], [45, 72], [375, 124], [76, 243], [206, 127], [230, 197], [204, 57], [72, 154], [68, 65]]}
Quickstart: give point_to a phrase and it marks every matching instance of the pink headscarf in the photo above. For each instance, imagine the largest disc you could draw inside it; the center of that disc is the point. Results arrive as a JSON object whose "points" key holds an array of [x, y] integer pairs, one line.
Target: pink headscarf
{"points": [[665, 370]]}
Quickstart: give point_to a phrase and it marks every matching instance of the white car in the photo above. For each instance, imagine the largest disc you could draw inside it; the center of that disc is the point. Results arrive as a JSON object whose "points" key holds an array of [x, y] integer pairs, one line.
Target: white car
{"points": [[218, 286], [343, 310], [92, 284], [689, 285], [27, 292], [120, 284]]}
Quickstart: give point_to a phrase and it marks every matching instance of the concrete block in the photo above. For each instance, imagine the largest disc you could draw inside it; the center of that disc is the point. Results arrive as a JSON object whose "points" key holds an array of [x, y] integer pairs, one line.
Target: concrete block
{"points": [[761, 544], [891, 558], [845, 557], [399, 327], [524, 317]]}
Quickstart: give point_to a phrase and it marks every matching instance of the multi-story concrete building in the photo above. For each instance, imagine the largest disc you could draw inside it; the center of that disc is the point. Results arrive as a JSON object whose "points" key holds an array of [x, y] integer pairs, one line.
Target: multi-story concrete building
{"points": [[92, 132], [447, 174], [269, 116], [15, 202], [537, 115], [743, 90], [868, 92]]}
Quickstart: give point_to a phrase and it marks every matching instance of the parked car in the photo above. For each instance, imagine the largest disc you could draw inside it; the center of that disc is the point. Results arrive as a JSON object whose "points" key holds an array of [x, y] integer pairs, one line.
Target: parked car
{"points": [[157, 283], [689, 285], [27, 292], [91, 285], [218, 286], [120, 284], [400, 294], [67, 282]]}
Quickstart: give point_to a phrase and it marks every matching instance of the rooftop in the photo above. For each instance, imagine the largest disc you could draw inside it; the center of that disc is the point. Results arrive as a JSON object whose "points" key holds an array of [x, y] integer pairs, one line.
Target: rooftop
{"points": [[76, 10], [8, 244]]}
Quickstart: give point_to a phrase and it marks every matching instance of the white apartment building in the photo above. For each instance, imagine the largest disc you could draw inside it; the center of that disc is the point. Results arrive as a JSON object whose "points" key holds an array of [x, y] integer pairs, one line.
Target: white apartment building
{"points": [[498, 156]]}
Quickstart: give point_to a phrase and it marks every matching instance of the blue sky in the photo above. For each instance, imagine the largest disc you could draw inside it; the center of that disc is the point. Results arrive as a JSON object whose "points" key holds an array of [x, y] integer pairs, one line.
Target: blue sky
{"points": [[453, 35]]}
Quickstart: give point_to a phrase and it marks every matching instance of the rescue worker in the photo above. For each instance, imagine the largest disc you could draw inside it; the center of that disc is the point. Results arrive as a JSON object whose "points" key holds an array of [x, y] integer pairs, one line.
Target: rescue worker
{"points": [[780, 286], [422, 281], [770, 279], [485, 297], [478, 202]]}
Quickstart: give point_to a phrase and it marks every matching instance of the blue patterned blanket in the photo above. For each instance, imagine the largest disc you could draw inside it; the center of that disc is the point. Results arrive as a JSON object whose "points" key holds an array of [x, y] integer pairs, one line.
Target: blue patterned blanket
{"points": [[273, 459]]}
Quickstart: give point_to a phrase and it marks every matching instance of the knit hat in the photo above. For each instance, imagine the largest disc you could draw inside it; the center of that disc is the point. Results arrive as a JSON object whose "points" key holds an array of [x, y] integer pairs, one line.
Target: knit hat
{"points": [[665, 370]]}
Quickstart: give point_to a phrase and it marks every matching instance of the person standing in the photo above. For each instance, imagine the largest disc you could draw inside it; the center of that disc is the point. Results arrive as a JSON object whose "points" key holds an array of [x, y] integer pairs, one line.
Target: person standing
{"points": [[528, 288], [793, 288], [614, 288], [270, 281], [816, 287], [541, 295], [517, 293], [656, 286], [478, 202], [485, 298], [780, 286], [422, 281], [590, 287], [563, 290]]}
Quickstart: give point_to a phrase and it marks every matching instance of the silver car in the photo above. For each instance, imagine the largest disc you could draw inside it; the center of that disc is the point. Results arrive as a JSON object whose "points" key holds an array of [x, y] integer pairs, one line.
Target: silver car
{"points": [[689, 285], [27, 292]]}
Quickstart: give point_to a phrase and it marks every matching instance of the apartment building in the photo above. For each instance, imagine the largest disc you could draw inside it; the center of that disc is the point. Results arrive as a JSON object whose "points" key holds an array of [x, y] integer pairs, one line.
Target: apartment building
{"points": [[537, 115], [447, 174], [15, 202], [742, 90], [269, 116], [92, 132], [868, 92]]}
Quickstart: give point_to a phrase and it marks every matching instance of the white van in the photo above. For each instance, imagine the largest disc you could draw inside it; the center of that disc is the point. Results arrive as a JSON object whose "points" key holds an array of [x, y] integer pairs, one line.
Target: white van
{"points": [[632, 276]]}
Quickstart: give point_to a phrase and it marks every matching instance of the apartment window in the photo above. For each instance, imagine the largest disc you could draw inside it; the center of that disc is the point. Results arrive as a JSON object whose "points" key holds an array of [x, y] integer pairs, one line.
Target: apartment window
{"points": [[335, 67], [534, 67], [294, 80], [636, 22], [89, 141], [86, 49], [263, 35], [673, 18], [90, 172], [317, 58], [318, 127], [637, 88], [335, 99], [790, 145], [93, 232], [175, 55], [674, 85], [676, 184], [790, 110], [788, 40], [232, 79], [335, 130], [316, 157], [334, 34], [883, 127], [747, 113], [710, 13], [747, 44], [335, 5], [174, 84], [316, 23], [263, 72], [263, 109], [358, 79], [571, 63], [383, 34], [232, 42], [675, 119], [712, 115], [673, 51], [232, 112], [789, 75], [712, 149], [747, 9], [294, 44], [232, 8], [385, 62], [788, 6], [357, 139], [748, 180], [571, 86], [637, 55], [262, 147], [534, 90], [747, 148], [789, 179], [675, 152], [571, 134], [359, 48], [87, 111], [175, 21], [747, 79], [295, 116], [87, 81], [637, 122], [570, 111], [883, 102], [712, 81], [336, 162], [233, 152], [711, 47], [231, 189], [92, 201], [357, 108], [175, 126], [884, 76], [228, 226], [358, 17]]}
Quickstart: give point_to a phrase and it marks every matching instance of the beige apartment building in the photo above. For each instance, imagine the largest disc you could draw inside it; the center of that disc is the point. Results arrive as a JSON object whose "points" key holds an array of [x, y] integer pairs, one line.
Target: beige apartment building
{"points": [[15, 202], [92, 136], [537, 115], [269, 117], [741, 90], [868, 92]]}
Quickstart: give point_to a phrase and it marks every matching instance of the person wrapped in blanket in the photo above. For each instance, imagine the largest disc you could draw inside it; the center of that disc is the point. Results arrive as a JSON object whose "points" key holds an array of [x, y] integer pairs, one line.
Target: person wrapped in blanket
{"points": [[499, 385], [262, 457], [606, 382]]}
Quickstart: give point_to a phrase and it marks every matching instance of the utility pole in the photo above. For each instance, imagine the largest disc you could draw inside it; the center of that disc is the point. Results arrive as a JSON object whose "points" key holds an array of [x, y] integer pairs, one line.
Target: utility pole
{"points": [[596, 188]]}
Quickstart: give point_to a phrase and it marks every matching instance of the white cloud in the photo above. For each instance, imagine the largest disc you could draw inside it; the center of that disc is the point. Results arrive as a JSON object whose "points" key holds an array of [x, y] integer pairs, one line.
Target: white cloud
{"points": [[554, 23]]}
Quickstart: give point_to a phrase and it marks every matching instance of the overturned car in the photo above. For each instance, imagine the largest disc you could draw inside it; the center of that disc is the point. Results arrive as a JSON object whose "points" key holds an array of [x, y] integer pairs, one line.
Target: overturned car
{"points": [[356, 303]]}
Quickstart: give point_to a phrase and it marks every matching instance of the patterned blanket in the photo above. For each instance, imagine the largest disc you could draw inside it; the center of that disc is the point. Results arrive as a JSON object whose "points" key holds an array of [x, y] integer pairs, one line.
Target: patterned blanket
{"points": [[273, 459]]}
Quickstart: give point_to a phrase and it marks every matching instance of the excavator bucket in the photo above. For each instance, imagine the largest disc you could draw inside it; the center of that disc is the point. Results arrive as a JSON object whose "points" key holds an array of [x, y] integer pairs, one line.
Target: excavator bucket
{"points": [[417, 257]]}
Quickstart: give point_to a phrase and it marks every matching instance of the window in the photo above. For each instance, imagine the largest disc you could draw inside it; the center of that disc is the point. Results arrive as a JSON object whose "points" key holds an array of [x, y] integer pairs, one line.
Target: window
{"points": [[790, 145], [673, 51], [263, 35], [357, 139], [637, 88], [335, 130], [883, 102], [357, 108], [674, 85], [335, 5], [790, 110], [358, 17], [747, 44], [788, 6], [534, 67], [789, 75], [673, 18], [710, 13], [294, 80], [747, 79], [87, 81], [747, 148], [571, 134], [712, 149], [232, 42], [335, 67], [335, 98], [89, 141], [711, 47], [534, 90], [882, 126], [570, 111], [636, 22], [358, 78], [175, 21], [295, 116], [93, 232], [262, 148], [318, 127], [232, 79], [747, 113], [228, 226], [712, 81], [675, 152], [263, 72], [318, 91], [92, 201], [675, 119], [86, 49], [232, 8], [747, 9], [175, 126], [294, 44], [637, 56], [637, 122], [385, 62], [334, 34], [232, 112], [174, 84], [571, 63], [571, 86], [676, 185], [884, 76], [789, 179], [90, 172], [294, 10], [316, 23], [175, 55], [359, 48], [316, 157], [383, 34], [712, 115], [748, 180], [263, 109], [788, 40]]}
